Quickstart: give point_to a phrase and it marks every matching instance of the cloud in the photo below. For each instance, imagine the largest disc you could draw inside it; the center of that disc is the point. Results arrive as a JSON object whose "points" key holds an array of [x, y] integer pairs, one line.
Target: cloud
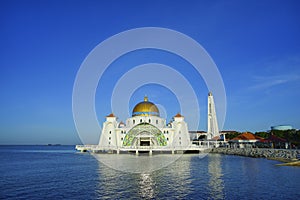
{"points": [[265, 82], [273, 72]]}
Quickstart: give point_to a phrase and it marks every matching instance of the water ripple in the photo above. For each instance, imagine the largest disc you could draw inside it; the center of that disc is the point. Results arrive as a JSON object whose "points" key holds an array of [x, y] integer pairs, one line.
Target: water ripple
{"points": [[63, 174]]}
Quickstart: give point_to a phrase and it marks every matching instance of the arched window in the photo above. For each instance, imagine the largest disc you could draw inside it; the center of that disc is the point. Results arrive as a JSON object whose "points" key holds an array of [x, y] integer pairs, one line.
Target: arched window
{"points": [[122, 139], [141, 120], [133, 121], [109, 132], [109, 138], [156, 121], [149, 121]]}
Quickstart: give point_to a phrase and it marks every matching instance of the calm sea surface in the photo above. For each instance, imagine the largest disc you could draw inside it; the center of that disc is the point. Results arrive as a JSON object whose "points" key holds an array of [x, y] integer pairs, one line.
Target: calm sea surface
{"points": [[59, 172]]}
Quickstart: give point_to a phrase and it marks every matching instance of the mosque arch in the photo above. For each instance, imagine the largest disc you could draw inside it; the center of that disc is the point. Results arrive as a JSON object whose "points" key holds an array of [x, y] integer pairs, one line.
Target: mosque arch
{"points": [[144, 130]]}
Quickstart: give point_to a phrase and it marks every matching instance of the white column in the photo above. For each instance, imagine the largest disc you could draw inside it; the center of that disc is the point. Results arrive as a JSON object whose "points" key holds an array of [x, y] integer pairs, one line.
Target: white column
{"points": [[212, 123]]}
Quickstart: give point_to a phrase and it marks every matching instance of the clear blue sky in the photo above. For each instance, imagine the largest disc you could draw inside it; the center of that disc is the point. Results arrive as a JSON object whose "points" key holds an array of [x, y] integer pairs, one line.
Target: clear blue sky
{"points": [[255, 45]]}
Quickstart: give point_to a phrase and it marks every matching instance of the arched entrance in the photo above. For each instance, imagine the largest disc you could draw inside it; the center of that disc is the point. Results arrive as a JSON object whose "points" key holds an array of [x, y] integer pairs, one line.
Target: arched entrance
{"points": [[144, 134]]}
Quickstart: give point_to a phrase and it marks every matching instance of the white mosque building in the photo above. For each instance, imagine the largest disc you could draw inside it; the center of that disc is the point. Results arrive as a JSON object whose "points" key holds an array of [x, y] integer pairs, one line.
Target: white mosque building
{"points": [[145, 128], [146, 131]]}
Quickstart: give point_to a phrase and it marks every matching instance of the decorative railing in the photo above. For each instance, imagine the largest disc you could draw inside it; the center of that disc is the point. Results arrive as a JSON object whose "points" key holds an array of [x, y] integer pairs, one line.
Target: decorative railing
{"points": [[163, 148]]}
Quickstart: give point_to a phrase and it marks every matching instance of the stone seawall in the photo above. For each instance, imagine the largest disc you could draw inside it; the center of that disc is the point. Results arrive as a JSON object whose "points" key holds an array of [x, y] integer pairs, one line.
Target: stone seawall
{"points": [[259, 153]]}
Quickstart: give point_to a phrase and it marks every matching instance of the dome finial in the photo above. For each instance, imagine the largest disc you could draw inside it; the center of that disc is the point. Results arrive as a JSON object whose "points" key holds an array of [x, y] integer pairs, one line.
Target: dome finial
{"points": [[145, 98]]}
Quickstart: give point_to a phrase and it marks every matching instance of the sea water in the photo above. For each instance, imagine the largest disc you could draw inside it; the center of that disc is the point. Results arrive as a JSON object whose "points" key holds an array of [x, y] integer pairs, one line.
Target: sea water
{"points": [[59, 172]]}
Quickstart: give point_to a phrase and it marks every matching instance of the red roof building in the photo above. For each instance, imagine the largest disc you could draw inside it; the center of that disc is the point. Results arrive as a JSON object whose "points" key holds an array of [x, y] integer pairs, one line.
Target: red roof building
{"points": [[246, 137]]}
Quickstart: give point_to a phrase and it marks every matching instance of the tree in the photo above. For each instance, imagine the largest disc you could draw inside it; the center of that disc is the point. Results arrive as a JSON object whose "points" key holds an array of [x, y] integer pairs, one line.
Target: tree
{"points": [[232, 135], [292, 136], [262, 134]]}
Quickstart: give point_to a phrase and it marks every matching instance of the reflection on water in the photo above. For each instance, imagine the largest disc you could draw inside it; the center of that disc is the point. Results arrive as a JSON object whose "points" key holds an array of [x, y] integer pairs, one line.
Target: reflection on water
{"points": [[108, 182], [212, 177], [136, 164], [63, 175], [177, 177], [146, 186], [115, 184], [216, 183]]}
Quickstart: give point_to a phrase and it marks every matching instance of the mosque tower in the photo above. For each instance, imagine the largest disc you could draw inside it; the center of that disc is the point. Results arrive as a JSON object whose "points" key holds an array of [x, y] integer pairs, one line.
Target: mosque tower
{"points": [[212, 123]]}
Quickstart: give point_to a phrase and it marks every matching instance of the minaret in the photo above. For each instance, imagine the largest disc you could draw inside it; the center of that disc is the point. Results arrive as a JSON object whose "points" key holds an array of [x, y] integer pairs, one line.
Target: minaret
{"points": [[212, 123]]}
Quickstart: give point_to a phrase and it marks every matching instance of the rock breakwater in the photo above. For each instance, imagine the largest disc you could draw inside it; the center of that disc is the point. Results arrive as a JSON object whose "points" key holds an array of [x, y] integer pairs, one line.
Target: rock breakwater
{"points": [[259, 153]]}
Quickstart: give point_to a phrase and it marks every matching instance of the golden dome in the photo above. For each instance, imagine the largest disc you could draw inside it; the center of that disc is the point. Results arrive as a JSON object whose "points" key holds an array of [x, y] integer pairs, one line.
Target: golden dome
{"points": [[145, 108]]}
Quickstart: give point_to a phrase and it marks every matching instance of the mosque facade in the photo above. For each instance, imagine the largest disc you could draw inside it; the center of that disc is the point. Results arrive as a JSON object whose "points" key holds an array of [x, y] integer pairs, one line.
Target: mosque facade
{"points": [[145, 129]]}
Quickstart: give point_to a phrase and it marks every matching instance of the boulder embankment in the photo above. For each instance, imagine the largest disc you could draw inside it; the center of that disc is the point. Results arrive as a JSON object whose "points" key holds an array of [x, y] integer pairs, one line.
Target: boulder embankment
{"points": [[283, 155]]}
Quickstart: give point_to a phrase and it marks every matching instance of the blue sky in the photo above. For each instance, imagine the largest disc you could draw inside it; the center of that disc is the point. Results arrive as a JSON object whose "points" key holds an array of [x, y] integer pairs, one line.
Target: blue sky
{"points": [[255, 45]]}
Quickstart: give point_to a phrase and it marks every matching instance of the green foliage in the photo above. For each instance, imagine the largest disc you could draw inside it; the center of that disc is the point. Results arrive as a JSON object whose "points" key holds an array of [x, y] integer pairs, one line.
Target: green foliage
{"points": [[262, 134], [292, 135], [232, 135], [286, 134]]}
